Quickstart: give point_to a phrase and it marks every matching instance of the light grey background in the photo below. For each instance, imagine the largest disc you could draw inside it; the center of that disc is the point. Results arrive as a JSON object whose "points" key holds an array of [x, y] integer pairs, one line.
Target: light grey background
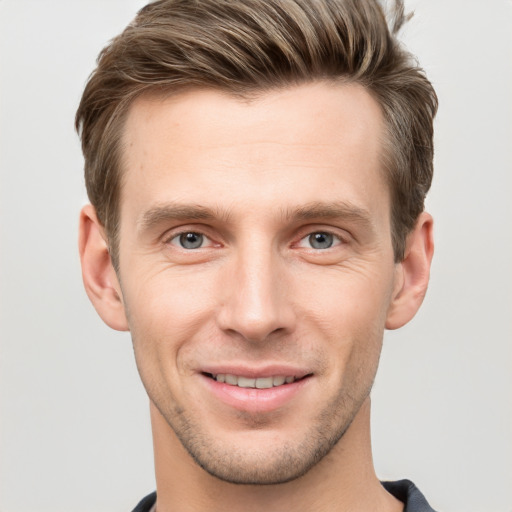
{"points": [[74, 427]]}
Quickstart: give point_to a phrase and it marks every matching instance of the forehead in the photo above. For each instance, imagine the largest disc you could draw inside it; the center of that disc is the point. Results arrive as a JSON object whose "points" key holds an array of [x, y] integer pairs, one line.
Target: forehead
{"points": [[279, 149]]}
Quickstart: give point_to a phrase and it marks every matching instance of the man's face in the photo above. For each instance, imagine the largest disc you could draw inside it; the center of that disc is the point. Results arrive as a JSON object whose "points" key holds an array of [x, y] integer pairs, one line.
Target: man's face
{"points": [[256, 270]]}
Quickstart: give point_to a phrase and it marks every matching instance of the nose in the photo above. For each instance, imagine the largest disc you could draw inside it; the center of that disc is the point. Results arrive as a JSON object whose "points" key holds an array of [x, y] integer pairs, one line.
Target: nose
{"points": [[256, 301]]}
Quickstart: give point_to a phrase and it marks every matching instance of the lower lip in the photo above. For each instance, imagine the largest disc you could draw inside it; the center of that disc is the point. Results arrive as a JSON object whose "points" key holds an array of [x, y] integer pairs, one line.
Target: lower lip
{"points": [[252, 399]]}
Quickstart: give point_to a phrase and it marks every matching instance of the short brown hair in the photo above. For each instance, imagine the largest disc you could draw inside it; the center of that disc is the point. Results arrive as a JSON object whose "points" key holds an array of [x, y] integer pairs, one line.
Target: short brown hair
{"points": [[247, 46]]}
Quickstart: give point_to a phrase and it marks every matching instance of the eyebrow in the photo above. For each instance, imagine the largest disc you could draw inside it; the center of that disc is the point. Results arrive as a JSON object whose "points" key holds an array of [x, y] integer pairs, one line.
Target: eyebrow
{"points": [[173, 212], [331, 210], [308, 212]]}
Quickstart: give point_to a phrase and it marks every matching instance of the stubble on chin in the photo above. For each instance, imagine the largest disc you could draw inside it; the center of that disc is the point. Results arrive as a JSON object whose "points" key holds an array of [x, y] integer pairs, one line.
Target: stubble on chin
{"points": [[268, 463]]}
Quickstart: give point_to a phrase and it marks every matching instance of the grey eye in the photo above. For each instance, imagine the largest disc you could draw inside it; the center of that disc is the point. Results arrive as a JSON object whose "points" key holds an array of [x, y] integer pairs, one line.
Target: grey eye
{"points": [[321, 240], [191, 240]]}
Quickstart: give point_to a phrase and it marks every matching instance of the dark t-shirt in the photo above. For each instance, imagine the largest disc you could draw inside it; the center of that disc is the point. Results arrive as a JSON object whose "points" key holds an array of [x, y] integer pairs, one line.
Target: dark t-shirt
{"points": [[403, 490]]}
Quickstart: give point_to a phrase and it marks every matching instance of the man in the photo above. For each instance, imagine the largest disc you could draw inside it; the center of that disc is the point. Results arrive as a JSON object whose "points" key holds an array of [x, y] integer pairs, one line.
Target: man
{"points": [[257, 172]]}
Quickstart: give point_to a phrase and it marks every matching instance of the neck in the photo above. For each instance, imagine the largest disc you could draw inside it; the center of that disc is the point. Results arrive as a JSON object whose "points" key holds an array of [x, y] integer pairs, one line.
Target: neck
{"points": [[343, 480]]}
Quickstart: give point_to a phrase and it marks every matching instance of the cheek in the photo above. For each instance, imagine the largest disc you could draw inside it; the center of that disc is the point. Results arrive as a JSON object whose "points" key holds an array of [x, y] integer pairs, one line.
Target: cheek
{"points": [[164, 316], [165, 312], [348, 311], [355, 297], [167, 297]]}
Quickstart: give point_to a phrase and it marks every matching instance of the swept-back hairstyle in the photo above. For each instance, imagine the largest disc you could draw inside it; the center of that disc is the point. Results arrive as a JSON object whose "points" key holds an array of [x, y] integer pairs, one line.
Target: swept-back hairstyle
{"points": [[251, 46]]}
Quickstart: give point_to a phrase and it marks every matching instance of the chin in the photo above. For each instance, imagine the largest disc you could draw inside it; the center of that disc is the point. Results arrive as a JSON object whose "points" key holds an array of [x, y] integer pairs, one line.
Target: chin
{"points": [[260, 458], [262, 469]]}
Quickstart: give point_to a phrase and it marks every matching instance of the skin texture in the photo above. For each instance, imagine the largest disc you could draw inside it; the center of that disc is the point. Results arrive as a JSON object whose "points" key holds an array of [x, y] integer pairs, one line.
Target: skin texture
{"points": [[256, 181]]}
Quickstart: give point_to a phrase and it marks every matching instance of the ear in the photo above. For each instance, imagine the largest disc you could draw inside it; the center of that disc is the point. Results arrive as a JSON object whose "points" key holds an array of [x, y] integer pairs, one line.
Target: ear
{"points": [[412, 273], [99, 276]]}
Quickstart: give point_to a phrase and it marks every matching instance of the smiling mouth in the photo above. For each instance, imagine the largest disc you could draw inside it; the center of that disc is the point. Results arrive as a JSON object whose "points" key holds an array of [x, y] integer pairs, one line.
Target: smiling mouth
{"points": [[254, 382]]}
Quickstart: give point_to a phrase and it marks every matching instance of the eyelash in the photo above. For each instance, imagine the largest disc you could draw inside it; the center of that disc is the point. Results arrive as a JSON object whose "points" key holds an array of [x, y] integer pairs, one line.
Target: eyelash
{"points": [[179, 238], [334, 239]]}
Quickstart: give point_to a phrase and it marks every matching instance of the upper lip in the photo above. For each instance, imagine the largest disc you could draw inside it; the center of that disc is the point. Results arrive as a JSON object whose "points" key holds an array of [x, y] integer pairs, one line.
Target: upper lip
{"points": [[253, 372]]}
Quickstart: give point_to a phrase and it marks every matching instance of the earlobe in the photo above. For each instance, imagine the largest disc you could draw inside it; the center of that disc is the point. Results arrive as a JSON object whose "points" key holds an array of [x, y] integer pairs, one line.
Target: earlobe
{"points": [[413, 272], [99, 276]]}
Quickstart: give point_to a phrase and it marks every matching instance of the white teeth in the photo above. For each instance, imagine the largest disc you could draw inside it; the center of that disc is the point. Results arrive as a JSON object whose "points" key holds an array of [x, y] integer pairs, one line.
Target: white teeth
{"points": [[264, 382], [244, 382], [278, 381], [258, 383], [231, 379]]}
